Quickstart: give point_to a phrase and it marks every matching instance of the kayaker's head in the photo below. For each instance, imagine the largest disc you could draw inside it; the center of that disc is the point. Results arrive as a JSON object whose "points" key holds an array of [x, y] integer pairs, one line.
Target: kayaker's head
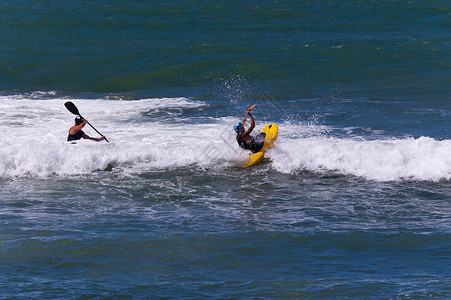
{"points": [[78, 120], [238, 127]]}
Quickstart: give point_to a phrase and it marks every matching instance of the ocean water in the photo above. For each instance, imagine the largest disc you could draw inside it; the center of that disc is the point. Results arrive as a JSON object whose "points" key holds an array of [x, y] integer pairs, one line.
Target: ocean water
{"points": [[353, 201]]}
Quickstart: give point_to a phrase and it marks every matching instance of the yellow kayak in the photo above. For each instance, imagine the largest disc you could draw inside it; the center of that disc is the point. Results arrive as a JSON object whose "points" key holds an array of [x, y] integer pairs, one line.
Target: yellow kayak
{"points": [[271, 131]]}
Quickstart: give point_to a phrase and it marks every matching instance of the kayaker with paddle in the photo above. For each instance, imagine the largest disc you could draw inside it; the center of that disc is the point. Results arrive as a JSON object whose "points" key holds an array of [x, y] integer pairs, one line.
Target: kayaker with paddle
{"points": [[76, 132], [243, 137]]}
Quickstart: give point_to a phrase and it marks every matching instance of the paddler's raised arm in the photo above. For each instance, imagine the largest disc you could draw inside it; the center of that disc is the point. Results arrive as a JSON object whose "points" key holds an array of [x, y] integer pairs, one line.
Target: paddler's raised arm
{"points": [[252, 121], [249, 130]]}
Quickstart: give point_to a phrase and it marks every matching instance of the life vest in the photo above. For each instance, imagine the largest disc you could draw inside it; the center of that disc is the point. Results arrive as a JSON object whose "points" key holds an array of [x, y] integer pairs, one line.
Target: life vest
{"points": [[76, 136], [254, 144]]}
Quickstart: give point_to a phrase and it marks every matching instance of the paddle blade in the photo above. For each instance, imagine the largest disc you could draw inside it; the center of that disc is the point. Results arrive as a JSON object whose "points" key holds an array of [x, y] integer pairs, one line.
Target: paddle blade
{"points": [[251, 107], [72, 108]]}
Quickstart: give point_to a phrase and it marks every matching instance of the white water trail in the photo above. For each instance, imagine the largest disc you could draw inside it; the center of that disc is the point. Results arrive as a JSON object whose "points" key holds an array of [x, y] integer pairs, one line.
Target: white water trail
{"points": [[158, 134]]}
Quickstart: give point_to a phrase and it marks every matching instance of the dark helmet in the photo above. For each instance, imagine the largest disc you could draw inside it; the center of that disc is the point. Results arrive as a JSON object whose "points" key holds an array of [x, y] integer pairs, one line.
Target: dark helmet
{"points": [[78, 120]]}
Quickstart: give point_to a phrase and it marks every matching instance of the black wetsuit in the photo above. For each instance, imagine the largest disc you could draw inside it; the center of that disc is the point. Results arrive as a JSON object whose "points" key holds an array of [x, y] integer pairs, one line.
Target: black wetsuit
{"points": [[255, 144], [76, 136]]}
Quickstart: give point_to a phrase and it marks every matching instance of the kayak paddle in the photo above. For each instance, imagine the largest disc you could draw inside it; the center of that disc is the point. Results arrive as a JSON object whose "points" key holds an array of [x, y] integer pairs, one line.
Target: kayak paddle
{"points": [[249, 109]]}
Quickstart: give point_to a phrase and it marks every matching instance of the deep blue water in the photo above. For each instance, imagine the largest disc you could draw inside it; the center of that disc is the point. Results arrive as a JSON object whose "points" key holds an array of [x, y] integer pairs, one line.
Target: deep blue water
{"points": [[352, 202]]}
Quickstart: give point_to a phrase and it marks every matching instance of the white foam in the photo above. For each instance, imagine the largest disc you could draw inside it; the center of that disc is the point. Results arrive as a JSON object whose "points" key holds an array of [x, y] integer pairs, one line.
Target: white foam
{"points": [[144, 139], [383, 160], [34, 134]]}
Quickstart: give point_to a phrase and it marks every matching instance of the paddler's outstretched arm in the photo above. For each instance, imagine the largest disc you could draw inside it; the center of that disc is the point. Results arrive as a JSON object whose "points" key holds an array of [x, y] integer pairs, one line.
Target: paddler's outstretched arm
{"points": [[85, 136]]}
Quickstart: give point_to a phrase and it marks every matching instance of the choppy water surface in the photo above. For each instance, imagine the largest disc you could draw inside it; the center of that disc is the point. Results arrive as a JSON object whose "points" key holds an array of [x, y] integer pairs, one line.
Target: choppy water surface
{"points": [[352, 202]]}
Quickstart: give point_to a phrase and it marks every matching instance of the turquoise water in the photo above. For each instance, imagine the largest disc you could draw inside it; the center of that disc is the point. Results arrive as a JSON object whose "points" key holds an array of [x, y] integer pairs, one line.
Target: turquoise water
{"points": [[352, 202], [369, 48]]}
